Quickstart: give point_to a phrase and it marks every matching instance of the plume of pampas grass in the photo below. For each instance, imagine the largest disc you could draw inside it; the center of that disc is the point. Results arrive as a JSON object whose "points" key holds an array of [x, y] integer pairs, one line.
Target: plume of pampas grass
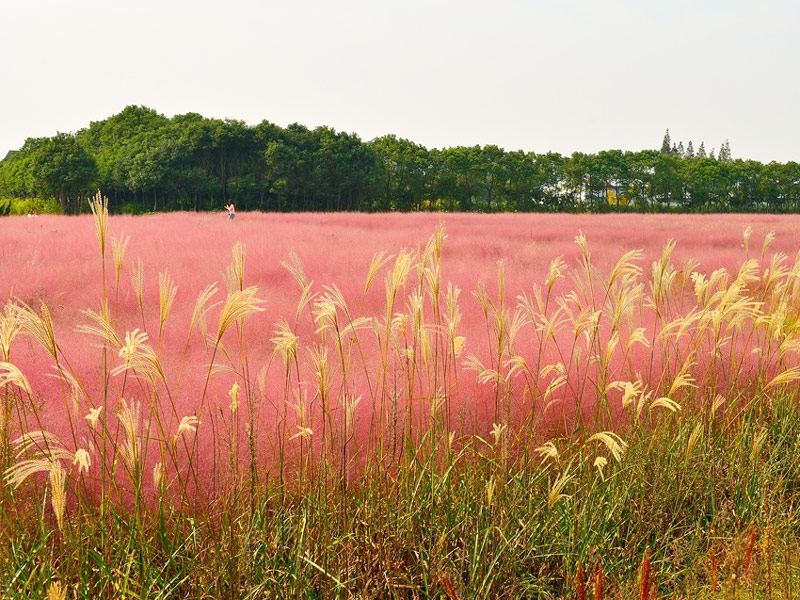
{"points": [[9, 328], [129, 417], [39, 326], [58, 492], [167, 290], [47, 450], [11, 375], [118, 247], [99, 206], [612, 441], [238, 305], [57, 591]]}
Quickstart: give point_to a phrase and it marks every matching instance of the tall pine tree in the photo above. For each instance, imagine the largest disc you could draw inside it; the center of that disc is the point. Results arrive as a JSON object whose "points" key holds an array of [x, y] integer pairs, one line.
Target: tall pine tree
{"points": [[666, 144], [690, 150], [725, 151]]}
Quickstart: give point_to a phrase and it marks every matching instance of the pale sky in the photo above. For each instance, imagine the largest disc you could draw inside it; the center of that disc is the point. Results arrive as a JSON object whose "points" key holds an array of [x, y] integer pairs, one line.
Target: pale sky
{"points": [[538, 75]]}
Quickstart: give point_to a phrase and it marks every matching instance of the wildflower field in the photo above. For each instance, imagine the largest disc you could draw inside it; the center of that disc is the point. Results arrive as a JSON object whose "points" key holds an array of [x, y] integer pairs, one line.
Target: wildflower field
{"points": [[400, 406]]}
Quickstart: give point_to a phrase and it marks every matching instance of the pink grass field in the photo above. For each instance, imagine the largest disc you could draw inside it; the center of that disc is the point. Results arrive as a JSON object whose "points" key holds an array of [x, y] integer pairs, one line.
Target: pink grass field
{"points": [[55, 260]]}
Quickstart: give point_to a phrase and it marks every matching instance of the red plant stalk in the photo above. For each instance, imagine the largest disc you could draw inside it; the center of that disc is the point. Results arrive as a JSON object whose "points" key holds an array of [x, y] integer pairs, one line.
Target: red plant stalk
{"points": [[598, 583], [580, 583], [447, 585], [748, 555], [645, 595]]}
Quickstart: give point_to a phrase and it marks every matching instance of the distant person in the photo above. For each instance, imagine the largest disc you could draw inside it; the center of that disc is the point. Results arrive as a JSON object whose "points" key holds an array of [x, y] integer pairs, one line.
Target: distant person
{"points": [[231, 211]]}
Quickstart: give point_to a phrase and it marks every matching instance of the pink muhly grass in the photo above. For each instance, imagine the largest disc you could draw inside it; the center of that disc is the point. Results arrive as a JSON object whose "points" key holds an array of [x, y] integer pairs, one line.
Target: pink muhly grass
{"points": [[55, 261]]}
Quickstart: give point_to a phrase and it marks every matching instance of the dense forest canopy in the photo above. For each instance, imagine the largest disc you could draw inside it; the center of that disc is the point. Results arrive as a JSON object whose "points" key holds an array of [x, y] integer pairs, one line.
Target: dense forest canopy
{"points": [[144, 161]]}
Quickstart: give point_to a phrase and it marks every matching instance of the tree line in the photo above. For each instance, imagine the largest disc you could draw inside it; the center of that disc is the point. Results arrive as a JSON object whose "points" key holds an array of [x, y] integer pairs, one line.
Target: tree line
{"points": [[144, 161]]}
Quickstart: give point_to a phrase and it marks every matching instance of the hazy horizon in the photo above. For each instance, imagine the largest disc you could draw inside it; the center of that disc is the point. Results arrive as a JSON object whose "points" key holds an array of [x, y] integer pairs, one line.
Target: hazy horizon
{"points": [[539, 76]]}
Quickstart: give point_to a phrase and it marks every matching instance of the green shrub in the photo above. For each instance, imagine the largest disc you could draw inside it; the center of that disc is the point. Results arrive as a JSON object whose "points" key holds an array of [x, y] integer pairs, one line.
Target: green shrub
{"points": [[22, 206]]}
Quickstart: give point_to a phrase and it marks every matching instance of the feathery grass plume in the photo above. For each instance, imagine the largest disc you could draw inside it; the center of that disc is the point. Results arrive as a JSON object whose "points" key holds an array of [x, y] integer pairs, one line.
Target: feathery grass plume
{"points": [[497, 432], [46, 449], [93, 415], [322, 377], [101, 326], [379, 260], [748, 273], [325, 315], [758, 442], [239, 305], [349, 402], [140, 358], [694, 438], [683, 379], [201, 308], [9, 328], [302, 432], [700, 287], [58, 492], [306, 297], [627, 298], [234, 396], [56, 591], [166, 297], [159, 473], [118, 247], [637, 336], [137, 280], [295, 268], [664, 402], [612, 441], [662, 280], [580, 240], [554, 272], [491, 486], [716, 405], [83, 460], [99, 206], [11, 375], [787, 376], [397, 278], [38, 326], [285, 342], [768, 239], [556, 491], [129, 417], [547, 450], [501, 282], [459, 342], [625, 267], [631, 390], [748, 231], [600, 463], [237, 265], [188, 424], [416, 303], [453, 312]]}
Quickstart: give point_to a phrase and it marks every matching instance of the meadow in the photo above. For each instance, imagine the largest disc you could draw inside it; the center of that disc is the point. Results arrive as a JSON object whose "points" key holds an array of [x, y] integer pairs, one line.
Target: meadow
{"points": [[400, 406]]}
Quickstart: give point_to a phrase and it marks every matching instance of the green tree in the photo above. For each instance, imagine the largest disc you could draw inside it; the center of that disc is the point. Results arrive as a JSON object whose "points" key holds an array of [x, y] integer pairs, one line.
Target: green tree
{"points": [[64, 169]]}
